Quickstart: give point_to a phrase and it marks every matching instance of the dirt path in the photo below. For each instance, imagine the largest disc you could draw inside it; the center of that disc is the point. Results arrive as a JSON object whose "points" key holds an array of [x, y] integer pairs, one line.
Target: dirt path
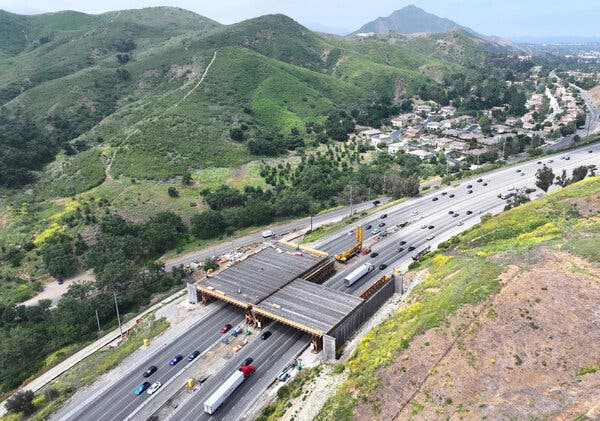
{"points": [[200, 81], [53, 291]]}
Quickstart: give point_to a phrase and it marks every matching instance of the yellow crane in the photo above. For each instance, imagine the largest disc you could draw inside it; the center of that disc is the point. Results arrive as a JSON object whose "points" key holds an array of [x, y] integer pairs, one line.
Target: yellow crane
{"points": [[345, 255]]}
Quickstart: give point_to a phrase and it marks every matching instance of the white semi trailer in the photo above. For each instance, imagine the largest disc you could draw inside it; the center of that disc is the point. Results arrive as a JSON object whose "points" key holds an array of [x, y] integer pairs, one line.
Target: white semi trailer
{"points": [[219, 396], [358, 273]]}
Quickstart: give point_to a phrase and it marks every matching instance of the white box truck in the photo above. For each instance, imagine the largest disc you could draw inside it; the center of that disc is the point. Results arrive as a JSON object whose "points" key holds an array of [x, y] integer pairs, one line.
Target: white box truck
{"points": [[219, 396], [358, 273]]}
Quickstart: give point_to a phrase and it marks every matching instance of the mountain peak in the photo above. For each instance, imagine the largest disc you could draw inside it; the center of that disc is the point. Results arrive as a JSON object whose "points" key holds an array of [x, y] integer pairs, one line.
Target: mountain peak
{"points": [[411, 19]]}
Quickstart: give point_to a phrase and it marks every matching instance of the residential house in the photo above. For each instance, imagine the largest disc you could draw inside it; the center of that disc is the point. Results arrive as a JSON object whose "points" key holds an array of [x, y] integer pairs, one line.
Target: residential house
{"points": [[434, 125], [393, 148], [368, 134], [412, 132], [421, 153], [458, 146], [405, 120], [424, 108], [447, 111]]}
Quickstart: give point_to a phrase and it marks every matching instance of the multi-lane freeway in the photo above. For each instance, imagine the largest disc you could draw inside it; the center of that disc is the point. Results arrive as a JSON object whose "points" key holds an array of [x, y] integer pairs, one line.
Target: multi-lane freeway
{"points": [[118, 401]]}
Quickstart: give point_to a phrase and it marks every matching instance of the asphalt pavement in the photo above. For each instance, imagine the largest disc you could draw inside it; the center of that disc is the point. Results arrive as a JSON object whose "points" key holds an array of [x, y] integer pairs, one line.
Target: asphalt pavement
{"points": [[118, 400], [270, 356]]}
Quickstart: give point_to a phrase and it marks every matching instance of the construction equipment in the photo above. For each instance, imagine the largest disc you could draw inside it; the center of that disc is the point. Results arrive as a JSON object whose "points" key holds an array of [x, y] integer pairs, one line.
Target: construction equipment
{"points": [[347, 254]]}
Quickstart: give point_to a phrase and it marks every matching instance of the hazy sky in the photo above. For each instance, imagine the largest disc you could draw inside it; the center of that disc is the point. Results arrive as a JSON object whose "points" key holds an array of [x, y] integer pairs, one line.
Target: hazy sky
{"points": [[507, 18]]}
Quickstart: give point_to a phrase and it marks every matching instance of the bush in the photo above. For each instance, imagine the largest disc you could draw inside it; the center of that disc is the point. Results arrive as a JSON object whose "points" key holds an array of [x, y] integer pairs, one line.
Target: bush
{"points": [[21, 402]]}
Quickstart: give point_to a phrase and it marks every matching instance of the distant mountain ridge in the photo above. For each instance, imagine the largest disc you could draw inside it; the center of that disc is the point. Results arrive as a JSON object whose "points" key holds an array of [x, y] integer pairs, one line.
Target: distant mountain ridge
{"points": [[411, 19]]}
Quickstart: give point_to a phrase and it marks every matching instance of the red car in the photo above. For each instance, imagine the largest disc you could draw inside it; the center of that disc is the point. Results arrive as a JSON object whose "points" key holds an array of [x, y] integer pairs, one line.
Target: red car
{"points": [[225, 328]]}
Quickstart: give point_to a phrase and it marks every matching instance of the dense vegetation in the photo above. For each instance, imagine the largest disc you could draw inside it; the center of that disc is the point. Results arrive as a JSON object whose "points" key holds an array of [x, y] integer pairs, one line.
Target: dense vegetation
{"points": [[122, 261]]}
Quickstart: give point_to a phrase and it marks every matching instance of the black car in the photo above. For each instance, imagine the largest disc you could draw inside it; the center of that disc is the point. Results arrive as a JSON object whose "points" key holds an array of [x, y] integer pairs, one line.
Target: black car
{"points": [[431, 227], [469, 191], [539, 162], [590, 151], [381, 225], [151, 370], [383, 216], [469, 212], [567, 158], [484, 184], [480, 180], [368, 227], [193, 355], [470, 186], [403, 224], [402, 242], [374, 254], [518, 170], [411, 248], [444, 193], [450, 212], [434, 199], [451, 195], [376, 202], [265, 335], [400, 249], [248, 361], [382, 266], [455, 214]]}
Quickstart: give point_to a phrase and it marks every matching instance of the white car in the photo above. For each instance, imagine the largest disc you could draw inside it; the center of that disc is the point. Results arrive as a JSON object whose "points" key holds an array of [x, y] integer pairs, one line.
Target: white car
{"points": [[430, 237], [267, 234], [414, 213], [155, 386]]}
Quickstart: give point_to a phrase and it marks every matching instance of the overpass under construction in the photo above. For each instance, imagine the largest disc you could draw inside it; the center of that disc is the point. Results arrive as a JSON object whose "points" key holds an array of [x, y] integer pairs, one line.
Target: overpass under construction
{"points": [[284, 283]]}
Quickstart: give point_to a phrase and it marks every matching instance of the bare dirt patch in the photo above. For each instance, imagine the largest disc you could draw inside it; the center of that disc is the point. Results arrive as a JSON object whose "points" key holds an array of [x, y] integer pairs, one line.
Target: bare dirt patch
{"points": [[515, 356], [595, 94]]}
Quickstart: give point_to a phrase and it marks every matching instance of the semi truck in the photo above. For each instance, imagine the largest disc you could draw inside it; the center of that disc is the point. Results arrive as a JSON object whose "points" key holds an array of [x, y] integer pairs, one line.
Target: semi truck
{"points": [[219, 396], [358, 273], [421, 253]]}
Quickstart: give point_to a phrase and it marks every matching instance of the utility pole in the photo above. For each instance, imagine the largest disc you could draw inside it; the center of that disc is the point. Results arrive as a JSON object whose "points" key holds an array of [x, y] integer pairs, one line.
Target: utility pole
{"points": [[98, 321], [118, 317]]}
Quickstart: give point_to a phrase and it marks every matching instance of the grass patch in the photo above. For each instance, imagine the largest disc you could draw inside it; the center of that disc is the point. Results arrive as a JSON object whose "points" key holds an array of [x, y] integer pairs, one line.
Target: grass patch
{"points": [[590, 369]]}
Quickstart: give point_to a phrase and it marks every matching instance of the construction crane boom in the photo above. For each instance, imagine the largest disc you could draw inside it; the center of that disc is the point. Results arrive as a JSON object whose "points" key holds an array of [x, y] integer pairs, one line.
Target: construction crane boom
{"points": [[345, 255]]}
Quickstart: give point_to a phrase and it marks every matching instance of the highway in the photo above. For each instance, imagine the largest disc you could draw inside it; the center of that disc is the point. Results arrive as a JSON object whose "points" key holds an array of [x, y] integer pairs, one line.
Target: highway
{"points": [[425, 211], [269, 355], [118, 401]]}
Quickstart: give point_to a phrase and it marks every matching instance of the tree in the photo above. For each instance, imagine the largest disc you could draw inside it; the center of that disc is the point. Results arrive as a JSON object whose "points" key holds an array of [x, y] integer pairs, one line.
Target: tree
{"points": [[236, 134], [210, 264], [562, 180], [544, 178], [517, 199], [224, 197], [579, 173], [208, 224], [172, 191], [186, 179], [21, 402]]}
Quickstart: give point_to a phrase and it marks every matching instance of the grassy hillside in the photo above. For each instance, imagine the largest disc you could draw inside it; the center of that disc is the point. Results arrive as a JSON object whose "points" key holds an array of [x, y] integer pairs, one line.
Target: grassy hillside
{"points": [[458, 294], [126, 104]]}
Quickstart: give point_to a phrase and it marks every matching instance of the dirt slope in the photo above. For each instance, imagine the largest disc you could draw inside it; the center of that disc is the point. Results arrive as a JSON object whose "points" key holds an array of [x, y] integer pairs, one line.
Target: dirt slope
{"points": [[519, 355]]}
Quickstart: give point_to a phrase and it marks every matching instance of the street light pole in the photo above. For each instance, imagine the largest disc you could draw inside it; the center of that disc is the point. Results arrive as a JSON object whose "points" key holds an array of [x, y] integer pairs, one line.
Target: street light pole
{"points": [[118, 317], [98, 321]]}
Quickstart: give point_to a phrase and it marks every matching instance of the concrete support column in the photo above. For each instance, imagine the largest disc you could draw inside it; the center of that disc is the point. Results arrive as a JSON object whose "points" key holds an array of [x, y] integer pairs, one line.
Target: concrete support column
{"points": [[399, 284], [329, 347], [193, 293]]}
